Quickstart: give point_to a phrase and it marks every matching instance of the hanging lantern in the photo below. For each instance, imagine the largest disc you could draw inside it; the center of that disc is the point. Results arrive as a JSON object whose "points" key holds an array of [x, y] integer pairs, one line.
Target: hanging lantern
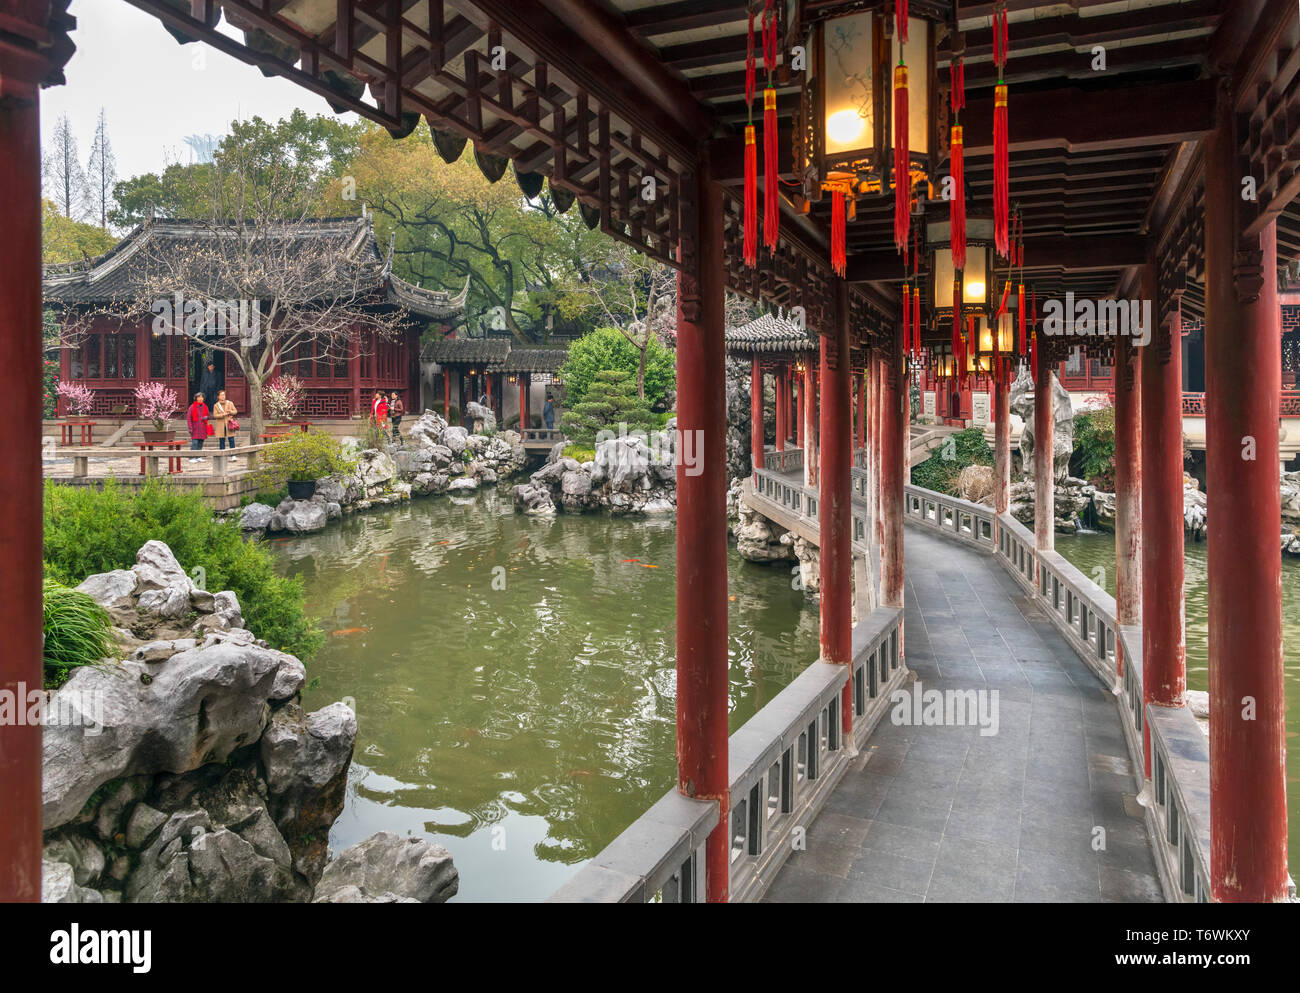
{"points": [[847, 129], [977, 283]]}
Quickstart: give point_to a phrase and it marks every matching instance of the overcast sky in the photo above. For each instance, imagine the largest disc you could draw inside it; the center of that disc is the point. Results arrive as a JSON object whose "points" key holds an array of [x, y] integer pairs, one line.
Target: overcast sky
{"points": [[156, 91]]}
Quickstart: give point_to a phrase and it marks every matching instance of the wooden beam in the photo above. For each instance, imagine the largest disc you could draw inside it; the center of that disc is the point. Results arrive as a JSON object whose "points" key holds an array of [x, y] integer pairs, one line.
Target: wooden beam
{"points": [[1061, 253], [1079, 120]]}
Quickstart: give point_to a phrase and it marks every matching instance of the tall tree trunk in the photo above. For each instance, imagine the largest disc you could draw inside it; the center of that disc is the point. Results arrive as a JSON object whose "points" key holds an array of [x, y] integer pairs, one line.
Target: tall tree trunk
{"points": [[255, 421], [640, 368]]}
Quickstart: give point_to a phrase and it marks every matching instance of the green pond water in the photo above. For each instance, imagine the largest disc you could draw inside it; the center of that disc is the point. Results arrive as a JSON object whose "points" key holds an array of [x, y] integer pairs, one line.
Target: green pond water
{"points": [[513, 678], [1090, 552]]}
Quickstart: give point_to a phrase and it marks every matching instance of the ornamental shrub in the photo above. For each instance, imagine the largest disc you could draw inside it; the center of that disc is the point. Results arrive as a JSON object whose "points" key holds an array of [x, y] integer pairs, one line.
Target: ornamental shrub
{"points": [[303, 457], [89, 530], [940, 471], [607, 349], [1093, 457]]}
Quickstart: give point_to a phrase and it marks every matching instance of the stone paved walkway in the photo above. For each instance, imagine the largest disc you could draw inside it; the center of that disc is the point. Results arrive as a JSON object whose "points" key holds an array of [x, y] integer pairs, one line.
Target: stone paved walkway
{"points": [[943, 814]]}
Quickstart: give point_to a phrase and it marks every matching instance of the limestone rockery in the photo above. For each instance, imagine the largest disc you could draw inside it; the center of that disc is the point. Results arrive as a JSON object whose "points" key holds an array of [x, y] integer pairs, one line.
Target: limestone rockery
{"points": [[184, 769], [629, 475], [434, 458]]}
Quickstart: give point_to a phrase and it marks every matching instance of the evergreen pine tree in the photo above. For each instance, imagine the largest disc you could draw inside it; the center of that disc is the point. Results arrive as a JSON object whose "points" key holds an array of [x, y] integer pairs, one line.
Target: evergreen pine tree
{"points": [[611, 400]]}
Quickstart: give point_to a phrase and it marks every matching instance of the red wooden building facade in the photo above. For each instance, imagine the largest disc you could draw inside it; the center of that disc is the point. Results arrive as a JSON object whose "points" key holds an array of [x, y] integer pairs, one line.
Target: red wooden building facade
{"points": [[111, 356]]}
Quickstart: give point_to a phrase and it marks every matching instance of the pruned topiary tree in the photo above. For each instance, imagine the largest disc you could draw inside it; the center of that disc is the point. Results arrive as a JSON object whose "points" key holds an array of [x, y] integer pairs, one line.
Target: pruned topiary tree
{"points": [[611, 400]]}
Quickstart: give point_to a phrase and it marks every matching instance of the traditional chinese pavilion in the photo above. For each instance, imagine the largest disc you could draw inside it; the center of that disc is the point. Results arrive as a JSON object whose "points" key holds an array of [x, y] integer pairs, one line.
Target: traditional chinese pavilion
{"points": [[111, 356]]}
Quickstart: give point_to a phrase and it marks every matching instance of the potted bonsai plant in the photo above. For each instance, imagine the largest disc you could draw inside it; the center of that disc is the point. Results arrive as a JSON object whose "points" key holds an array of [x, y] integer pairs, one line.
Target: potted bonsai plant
{"points": [[156, 402], [301, 459]]}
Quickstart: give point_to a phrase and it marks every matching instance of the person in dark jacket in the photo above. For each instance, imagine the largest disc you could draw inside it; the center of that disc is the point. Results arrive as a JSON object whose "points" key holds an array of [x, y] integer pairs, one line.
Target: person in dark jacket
{"points": [[548, 413], [395, 411], [209, 384]]}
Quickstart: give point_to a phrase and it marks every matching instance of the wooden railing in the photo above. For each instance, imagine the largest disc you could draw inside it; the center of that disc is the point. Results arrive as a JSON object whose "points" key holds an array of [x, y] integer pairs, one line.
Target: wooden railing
{"points": [[1288, 403]]}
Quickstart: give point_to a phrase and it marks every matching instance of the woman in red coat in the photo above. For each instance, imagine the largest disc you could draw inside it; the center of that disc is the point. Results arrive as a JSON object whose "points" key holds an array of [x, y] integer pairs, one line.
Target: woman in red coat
{"points": [[197, 420]]}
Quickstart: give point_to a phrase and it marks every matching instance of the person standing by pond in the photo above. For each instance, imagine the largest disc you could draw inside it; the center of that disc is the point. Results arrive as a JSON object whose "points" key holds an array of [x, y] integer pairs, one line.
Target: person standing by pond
{"points": [[548, 413], [197, 421], [395, 410], [223, 421]]}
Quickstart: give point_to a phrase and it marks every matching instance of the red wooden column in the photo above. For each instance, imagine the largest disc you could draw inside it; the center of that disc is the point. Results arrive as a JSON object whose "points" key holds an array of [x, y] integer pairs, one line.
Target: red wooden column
{"points": [[782, 408], [1248, 818], [811, 458], [756, 413], [1128, 488], [893, 469], [446, 394], [1044, 475], [702, 674], [354, 374], [799, 391], [1001, 448], [835, 496], [20, 498], [523, 401], [873, 453], [1164, 672], [862, 408]]}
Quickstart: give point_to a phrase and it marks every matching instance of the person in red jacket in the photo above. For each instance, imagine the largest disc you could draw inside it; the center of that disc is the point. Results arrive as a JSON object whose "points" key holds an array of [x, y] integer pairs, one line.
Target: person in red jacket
{"points": [[197, 420]]}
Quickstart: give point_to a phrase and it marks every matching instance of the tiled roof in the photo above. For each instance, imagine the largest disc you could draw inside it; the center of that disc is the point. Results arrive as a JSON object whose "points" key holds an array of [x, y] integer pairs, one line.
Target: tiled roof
{"points": [[463, 351], [534, 360], [116, 276], [770, 333]]}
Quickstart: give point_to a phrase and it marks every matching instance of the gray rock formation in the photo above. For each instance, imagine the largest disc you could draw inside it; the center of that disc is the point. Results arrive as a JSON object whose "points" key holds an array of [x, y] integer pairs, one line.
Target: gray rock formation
{"points": [[306, 759], [1072, 498], [1022, 403], [387, 868], [184, 769], [760, 540], [630, 474]]}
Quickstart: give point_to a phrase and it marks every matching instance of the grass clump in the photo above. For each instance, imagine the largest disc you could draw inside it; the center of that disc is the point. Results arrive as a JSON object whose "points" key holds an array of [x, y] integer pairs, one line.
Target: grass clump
{"points": [[77, 632]]}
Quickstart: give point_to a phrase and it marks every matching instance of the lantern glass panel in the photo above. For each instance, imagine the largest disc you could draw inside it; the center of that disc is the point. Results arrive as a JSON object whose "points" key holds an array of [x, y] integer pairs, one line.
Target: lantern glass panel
{"points": [[916, 53], [974, 288], [849, 100]]}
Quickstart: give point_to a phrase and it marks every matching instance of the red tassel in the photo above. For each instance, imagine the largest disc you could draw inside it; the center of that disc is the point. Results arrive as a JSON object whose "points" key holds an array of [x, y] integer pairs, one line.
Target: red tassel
{"points": [[771, 178], [907, 317], [957, 206], [1022, 317], [751, 198], [1001, 171], [958, 352], [838, 258], [1033, 355], [902, 161], [916, 317]]}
